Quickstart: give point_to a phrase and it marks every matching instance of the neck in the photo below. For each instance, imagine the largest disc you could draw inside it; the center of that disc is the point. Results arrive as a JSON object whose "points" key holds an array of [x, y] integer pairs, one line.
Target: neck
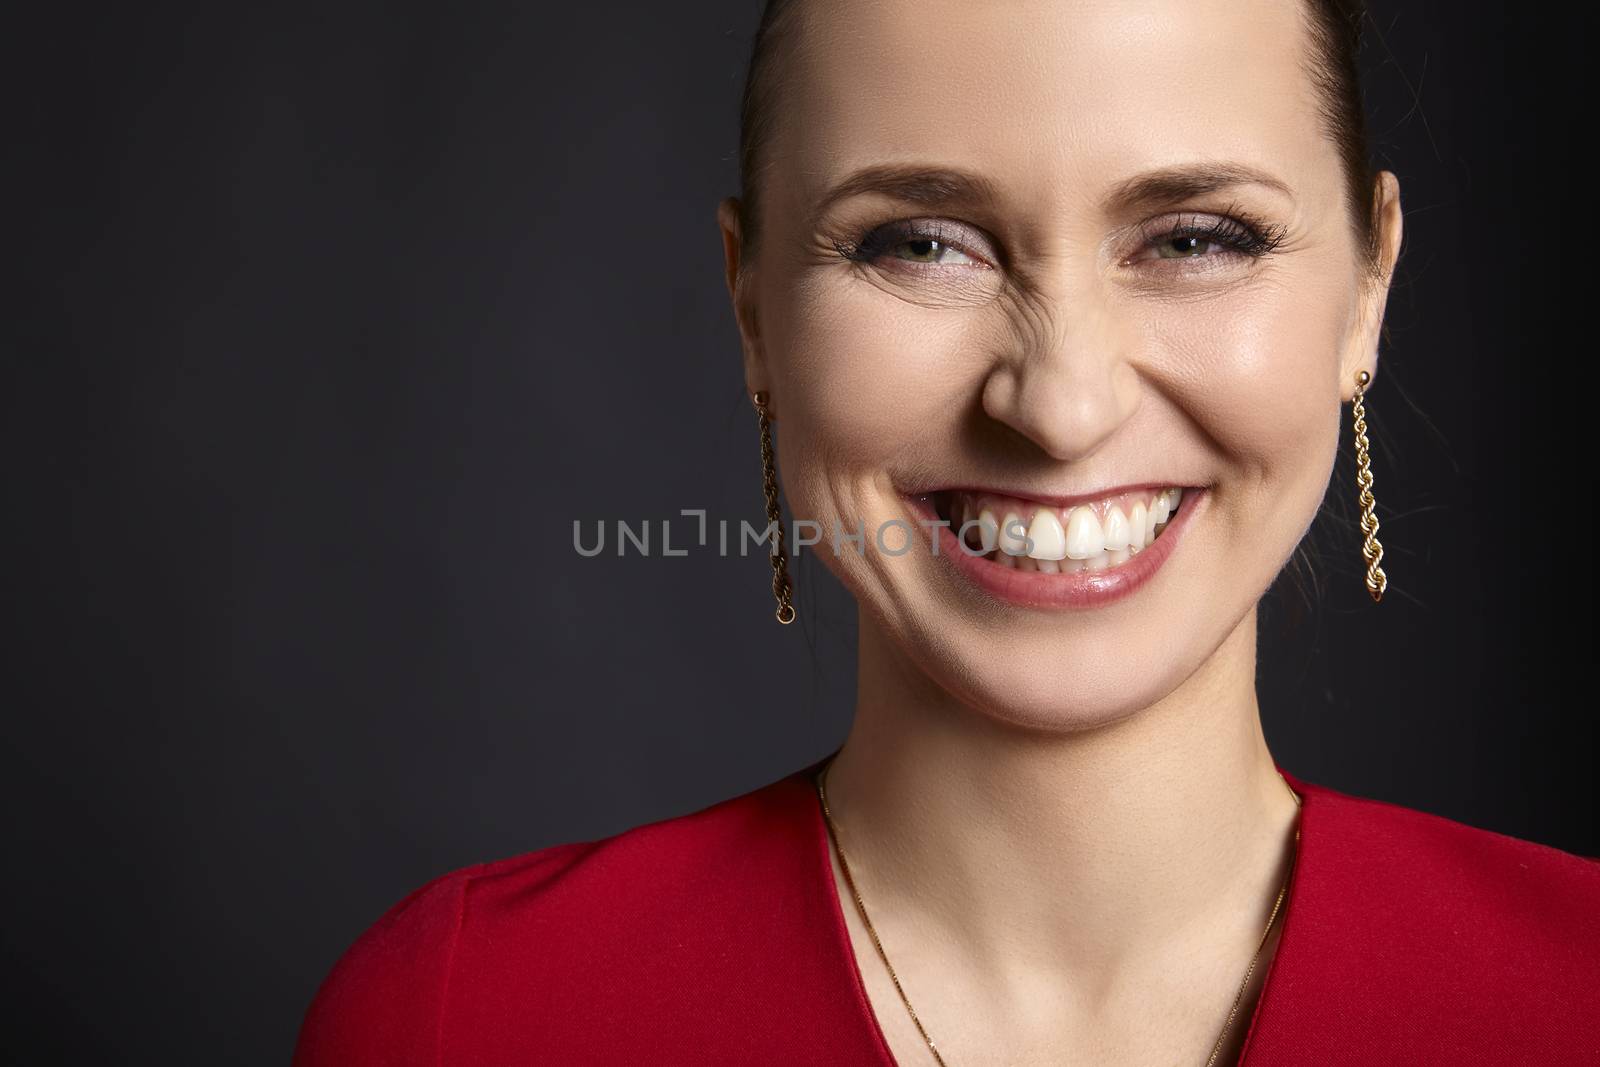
{"points": [[1090, 850]]}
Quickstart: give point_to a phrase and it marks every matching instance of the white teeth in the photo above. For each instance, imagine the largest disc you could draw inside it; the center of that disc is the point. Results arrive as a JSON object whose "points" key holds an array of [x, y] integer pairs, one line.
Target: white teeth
{"points": [[988, 530], [1011, 534], [1085, 539], [1049, 540], [1118, 535], [1082, 542]]}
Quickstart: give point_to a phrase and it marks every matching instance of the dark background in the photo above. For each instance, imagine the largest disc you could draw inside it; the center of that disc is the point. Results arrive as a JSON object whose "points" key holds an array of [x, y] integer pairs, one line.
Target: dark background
{"points": [[327, 324]]}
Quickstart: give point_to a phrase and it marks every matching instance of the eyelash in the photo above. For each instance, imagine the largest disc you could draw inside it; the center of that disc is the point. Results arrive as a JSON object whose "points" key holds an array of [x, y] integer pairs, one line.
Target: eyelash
{"points": [[1238, 231]]}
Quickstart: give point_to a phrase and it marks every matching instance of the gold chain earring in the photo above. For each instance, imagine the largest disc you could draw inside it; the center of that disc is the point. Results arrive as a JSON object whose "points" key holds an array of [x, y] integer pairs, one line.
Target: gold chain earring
{"points": [[769, 483], [1371, 550]]}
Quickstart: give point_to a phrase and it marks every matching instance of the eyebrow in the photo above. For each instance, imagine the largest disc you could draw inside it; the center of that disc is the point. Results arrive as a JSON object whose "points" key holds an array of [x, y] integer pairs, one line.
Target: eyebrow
{"points": [[1189, 180], [942, 186], [927, 186]]}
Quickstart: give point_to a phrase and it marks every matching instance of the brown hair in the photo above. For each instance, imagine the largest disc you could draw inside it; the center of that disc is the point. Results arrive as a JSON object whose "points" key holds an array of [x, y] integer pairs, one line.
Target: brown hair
{"points": [[1335, 34]]}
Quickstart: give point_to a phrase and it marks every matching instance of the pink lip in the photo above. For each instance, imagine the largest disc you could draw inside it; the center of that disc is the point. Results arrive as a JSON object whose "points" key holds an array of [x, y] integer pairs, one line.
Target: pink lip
{"points": [[1080, 589]]}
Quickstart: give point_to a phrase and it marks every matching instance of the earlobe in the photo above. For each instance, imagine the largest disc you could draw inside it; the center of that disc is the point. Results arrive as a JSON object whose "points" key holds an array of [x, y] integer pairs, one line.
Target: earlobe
{"points": [[1362, 357], [1362, 374]]}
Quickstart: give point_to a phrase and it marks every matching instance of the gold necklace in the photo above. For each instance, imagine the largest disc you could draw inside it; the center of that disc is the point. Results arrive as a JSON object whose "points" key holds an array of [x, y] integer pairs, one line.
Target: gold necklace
{"points": [[861, 909]]}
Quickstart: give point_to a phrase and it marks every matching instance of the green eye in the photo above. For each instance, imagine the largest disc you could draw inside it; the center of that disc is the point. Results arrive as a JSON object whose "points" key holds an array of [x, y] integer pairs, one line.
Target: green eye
{"points": [[1182, 247], [929, 250]]}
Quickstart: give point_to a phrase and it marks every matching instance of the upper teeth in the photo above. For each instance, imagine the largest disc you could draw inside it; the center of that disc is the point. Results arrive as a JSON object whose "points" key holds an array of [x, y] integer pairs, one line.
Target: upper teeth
{"points": [[1012, 541], [1085, 538], [1049, 540], [1118, 534], [1089, 536]]}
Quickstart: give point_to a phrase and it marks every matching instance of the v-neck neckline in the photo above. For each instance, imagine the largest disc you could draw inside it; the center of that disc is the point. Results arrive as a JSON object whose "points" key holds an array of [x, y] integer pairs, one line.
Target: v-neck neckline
{"points": [[844, 949]]}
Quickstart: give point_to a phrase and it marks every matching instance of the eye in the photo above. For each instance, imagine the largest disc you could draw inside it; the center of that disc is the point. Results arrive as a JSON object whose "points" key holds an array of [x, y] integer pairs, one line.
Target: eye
{"points": [[930, 250], [1209, 237], [918, 243], [1185, 246]]}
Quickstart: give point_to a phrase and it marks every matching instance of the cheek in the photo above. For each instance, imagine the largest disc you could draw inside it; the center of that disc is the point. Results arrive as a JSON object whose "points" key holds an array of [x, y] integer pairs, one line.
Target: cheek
{"points": [[862, 382], [1258, 374]]}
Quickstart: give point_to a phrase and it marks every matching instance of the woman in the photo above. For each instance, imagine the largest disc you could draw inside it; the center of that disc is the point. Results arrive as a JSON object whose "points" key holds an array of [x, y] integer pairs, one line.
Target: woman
{"points": [[1053, 308]]}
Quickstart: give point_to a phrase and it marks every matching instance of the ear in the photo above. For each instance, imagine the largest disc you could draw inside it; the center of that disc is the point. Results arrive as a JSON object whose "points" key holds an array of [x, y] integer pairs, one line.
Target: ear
{"points": [[1362, 354], [741, 291]]}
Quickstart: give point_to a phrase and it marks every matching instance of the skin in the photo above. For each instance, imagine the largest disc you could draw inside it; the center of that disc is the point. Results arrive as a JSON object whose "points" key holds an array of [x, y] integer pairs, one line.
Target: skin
{"points": [[1065, 822]]}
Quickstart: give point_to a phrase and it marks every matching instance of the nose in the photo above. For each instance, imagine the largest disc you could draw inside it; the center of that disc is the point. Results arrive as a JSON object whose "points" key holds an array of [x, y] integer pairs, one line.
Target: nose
{"points": [[1066, 383]]}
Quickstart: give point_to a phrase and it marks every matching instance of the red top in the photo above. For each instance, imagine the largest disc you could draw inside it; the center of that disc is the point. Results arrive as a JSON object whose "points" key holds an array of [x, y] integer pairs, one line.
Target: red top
{"points": [[718, 937]]}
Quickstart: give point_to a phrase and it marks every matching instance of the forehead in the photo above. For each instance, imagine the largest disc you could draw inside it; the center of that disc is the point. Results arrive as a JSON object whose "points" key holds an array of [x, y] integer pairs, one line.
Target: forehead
{"points": [[1049, 96]]}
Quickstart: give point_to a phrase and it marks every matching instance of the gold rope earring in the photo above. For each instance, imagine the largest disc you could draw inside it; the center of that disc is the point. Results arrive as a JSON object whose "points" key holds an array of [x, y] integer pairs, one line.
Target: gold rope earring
{"points": [[1371, 550], [769, 472]]}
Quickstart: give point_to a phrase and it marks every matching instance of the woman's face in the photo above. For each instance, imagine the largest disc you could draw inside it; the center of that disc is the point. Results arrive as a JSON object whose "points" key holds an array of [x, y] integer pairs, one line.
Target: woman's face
{"points": [[1041, 262]]}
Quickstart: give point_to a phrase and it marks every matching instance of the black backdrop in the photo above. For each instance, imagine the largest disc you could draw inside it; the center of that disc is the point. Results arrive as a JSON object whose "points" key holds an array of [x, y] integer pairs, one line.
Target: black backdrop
{"points": [[328, 323]]}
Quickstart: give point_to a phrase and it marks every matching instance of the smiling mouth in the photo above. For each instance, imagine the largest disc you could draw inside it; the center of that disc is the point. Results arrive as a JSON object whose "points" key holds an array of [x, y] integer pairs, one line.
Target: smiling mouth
{"points": [[1026, 535]]}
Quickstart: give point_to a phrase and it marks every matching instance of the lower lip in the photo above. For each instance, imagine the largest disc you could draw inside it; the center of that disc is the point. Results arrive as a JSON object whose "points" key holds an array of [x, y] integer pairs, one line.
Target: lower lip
{"points": [[1079, 589]]}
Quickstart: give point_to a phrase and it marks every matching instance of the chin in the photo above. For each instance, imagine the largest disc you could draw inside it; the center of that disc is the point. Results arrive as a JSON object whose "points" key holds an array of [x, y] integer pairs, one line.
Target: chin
{"points": [[1047, 681]]}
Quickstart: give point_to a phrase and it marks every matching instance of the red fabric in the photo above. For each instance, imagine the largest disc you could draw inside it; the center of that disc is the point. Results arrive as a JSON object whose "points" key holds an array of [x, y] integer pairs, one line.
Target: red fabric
{"points": [[718, 937]]}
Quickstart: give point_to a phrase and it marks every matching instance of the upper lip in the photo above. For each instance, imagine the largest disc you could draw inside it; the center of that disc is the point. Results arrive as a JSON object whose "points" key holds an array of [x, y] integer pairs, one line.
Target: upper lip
{"points": [[1055, 500]]}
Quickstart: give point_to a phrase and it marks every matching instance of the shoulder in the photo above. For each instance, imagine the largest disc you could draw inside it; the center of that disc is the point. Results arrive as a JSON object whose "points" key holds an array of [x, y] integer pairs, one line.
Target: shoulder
{"points": [[382, 1000], [1434, 940], [1503, 882], [557, 924]]}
